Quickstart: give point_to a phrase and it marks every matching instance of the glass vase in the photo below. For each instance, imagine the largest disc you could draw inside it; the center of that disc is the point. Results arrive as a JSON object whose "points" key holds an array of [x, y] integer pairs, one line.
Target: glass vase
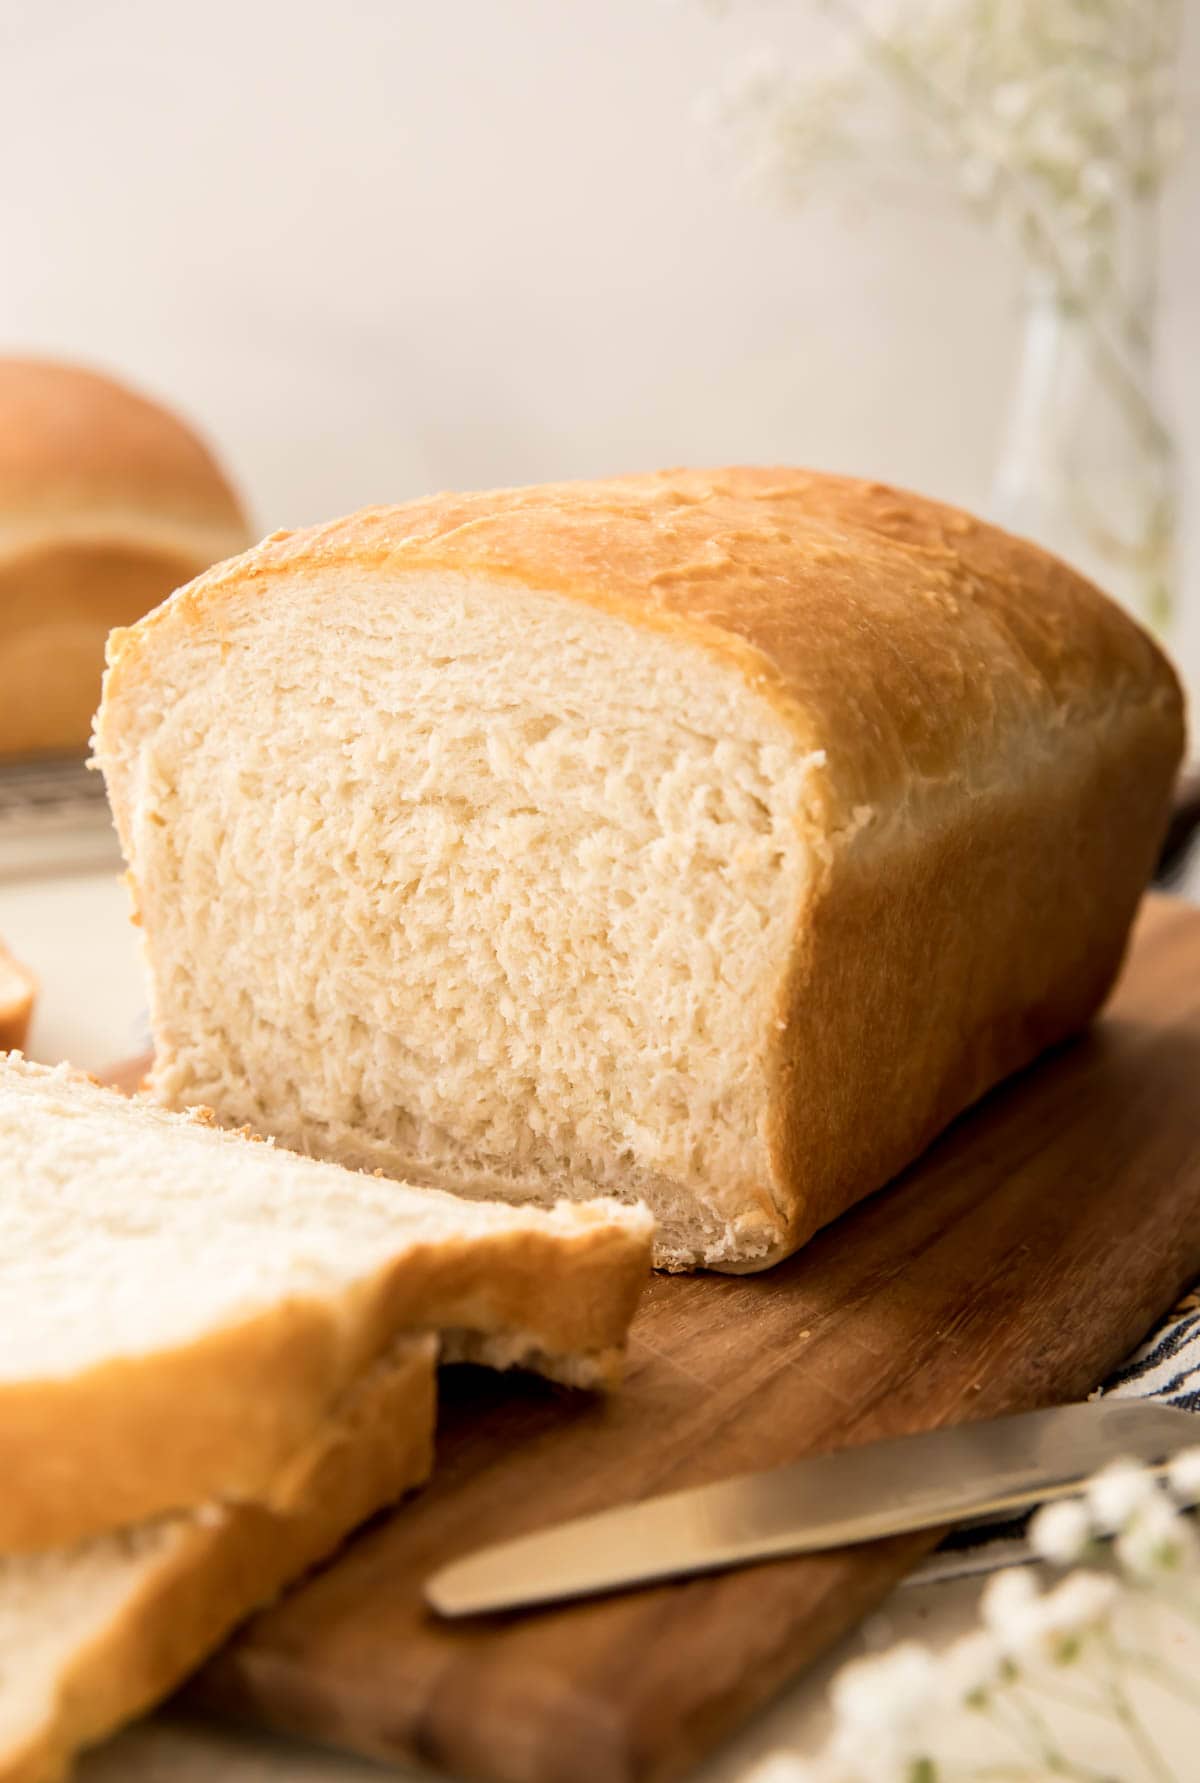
{"points": [[1088, 466]]}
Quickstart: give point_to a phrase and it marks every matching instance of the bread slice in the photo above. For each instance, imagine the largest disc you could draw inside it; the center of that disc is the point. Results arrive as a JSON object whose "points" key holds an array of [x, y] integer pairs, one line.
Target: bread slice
{"points": [[96, 1633], [711, 837], [18, 988], [182, 1310]]}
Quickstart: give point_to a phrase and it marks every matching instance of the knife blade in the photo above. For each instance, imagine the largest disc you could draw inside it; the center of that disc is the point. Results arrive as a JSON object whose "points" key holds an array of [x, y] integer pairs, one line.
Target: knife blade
{"points": [[935, 1478]]}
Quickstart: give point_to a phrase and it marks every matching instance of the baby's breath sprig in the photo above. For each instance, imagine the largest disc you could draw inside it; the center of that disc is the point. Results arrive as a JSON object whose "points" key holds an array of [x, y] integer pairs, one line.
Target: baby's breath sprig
{"points": [[990, 1704], [1056, 120]]}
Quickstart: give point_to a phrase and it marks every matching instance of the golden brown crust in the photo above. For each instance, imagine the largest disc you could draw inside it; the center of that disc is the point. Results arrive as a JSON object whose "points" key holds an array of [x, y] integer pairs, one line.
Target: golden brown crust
{"points": [[18, 992], [991, 939], [997, 747], [239, 1559], [792, 575], [107, 502], [232, 1414]]}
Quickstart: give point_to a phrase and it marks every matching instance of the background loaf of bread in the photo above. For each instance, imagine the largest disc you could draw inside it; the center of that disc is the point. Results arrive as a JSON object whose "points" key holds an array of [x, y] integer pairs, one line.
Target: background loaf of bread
{"points": [[707, 837], [107, 502]]}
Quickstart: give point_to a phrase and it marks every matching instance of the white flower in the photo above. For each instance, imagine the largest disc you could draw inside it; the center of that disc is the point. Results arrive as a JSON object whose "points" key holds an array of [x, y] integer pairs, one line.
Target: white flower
{"points": [[1061, 1533], [1116, 1492], [1158, 1539], [786, 1767], [970, 1667], [1007, 1600], [1012, 100], [790, 1767], [1082, 1603], [1097, 181], [881, 1705], [886, 1691], [855, 1757], [1183, 1476], [1029, 1627]]}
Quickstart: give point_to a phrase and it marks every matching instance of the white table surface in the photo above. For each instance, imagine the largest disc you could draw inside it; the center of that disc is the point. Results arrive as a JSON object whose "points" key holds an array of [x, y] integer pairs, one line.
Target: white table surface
{"points": [[74, 932]]}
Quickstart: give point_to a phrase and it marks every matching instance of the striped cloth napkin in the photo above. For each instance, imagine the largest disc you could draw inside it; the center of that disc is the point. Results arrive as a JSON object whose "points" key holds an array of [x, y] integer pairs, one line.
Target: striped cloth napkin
{"points": [[1166, 1367]]}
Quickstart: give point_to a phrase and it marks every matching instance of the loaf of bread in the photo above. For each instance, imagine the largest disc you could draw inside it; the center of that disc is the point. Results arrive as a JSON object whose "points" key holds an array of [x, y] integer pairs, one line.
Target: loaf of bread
{"points": [[93, 1634], [107, 502], [184, 1312], [18, 988], [710, 838]]}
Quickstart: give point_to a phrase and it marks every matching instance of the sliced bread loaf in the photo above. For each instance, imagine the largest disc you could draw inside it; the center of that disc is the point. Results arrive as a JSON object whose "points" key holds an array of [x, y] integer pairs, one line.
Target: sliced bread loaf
{"points": [[95, 1633], [710, 837], [182, 1311]]}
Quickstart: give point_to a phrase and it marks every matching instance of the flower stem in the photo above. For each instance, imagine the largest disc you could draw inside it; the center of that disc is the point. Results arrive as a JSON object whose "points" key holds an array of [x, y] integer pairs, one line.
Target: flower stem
{"points": [[1039, 233], [1132, 1723]]}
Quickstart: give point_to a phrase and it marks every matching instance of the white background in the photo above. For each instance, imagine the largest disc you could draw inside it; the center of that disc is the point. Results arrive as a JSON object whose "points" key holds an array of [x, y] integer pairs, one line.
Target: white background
{"points": [[381, 247]]}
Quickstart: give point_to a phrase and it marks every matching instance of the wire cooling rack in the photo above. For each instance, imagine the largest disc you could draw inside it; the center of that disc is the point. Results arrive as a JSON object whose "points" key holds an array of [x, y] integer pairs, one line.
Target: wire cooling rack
{"points": [[54, 818]]}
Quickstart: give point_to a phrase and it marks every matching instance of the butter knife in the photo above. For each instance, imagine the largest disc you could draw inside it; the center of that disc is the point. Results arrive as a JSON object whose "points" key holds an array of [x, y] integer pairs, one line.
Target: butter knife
{"points": [[969, 1472]]}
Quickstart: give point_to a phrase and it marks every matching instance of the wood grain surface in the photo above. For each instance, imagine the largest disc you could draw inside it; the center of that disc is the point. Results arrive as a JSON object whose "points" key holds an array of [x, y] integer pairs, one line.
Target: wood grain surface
{"points": [[1012, 1267]]}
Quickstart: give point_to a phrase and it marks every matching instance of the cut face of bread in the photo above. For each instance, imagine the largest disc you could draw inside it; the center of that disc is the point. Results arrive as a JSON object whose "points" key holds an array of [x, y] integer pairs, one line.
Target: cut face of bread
{"points": [[98, 1632], [538, 879], [181, 1309], [710, 838]]}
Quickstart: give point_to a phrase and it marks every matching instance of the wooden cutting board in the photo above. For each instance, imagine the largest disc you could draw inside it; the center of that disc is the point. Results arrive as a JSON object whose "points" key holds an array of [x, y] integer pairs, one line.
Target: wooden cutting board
{"points": [[1021, 1259]]}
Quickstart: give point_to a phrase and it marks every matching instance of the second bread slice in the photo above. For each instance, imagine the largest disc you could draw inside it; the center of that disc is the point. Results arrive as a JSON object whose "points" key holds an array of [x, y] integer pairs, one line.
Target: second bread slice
{"points": [[93, 1634]]}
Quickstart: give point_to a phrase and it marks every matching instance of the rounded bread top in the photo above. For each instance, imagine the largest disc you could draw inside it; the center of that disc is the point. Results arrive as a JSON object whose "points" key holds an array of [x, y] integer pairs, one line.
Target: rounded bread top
{"points": [[934, 649], [85, 457]]}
